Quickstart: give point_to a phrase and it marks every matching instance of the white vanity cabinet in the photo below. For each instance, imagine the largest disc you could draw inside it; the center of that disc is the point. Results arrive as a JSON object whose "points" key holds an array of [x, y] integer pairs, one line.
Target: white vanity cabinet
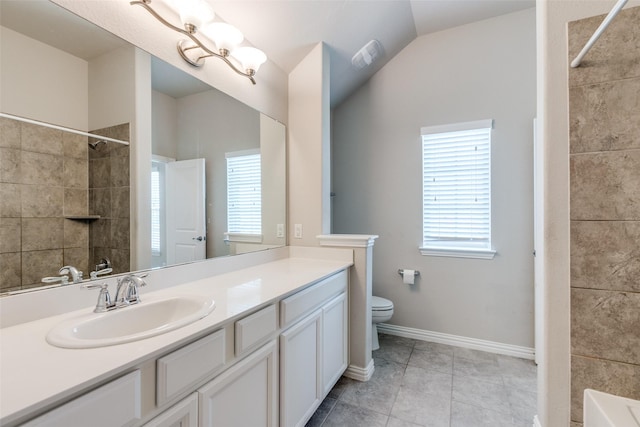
{"points": [[182, 414], [313, 351], [244, 395]]}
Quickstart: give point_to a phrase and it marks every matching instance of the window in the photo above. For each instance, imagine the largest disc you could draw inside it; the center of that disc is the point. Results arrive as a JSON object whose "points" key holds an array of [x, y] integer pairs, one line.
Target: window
{"points": [[456, 164], [244, 193], [156, 201]]}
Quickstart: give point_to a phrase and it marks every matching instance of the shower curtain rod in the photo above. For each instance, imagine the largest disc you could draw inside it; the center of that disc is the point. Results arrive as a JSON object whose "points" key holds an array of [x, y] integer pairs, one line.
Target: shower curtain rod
{"points": [[66, 129], [603, 26]]}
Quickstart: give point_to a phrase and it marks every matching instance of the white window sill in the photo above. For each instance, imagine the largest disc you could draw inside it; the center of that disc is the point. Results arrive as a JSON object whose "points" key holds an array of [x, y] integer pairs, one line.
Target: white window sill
{"points": [[459, 252], [243, 238]]}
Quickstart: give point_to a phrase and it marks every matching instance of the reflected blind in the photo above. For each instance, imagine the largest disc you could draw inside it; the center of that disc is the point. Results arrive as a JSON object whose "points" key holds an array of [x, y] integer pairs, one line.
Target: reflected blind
{"points": [[155, 211], [457, 185], [244, 192]]}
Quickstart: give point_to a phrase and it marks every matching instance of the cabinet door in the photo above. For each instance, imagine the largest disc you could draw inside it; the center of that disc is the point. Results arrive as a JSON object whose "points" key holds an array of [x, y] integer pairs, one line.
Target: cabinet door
{"points": [[300, 370], [334, 341], [244, 395], [182, 414]]}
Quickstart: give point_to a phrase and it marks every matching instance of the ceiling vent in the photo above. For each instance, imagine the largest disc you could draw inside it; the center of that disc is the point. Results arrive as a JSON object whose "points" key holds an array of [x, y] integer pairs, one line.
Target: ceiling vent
{"points": [[365, 56]]}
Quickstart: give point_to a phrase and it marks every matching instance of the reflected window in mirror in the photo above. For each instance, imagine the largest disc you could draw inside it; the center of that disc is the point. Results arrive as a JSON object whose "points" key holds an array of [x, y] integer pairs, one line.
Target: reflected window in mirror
{"points": [[244, 195]]}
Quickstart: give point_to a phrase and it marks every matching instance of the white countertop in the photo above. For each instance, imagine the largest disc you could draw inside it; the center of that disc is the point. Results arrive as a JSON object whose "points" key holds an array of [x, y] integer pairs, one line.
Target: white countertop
{"points": [[35, 374]]}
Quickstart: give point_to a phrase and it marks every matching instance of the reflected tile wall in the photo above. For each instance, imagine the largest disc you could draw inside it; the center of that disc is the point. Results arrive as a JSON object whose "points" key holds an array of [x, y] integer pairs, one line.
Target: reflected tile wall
{"points": [[43, 177], [604, 98], [109, 193]]}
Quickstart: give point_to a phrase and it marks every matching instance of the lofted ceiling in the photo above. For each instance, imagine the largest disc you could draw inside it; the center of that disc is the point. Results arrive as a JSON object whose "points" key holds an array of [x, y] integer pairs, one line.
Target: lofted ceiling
{"points": [[287, 30]]}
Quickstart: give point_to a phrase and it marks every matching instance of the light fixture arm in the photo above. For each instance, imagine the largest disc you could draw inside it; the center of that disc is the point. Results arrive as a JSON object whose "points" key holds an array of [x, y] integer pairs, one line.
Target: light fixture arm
{"points": [[181, 48]]}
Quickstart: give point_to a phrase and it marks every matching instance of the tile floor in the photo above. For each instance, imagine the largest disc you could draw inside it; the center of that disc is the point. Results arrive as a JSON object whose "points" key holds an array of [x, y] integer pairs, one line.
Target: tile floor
{"points": [[419, 383]]}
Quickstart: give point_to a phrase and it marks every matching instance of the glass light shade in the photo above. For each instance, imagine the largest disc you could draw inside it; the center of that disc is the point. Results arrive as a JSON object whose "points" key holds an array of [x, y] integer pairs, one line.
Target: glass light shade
{"points": [[250, 57], [224, 35], [195, 12]]}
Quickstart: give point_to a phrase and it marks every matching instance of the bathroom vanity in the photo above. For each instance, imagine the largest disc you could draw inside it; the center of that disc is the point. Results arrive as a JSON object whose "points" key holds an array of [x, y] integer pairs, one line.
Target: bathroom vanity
{"points": [[268, 354]]}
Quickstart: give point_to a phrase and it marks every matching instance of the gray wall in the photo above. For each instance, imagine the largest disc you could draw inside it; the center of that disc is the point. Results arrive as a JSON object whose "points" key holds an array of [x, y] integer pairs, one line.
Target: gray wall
{"points": [[604, 105], [477, 71]]}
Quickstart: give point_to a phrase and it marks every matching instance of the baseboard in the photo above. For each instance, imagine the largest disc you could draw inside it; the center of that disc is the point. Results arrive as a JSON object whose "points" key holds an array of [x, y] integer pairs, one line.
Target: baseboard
{"points": [[536, 422], [458, 341], [358, 373]]}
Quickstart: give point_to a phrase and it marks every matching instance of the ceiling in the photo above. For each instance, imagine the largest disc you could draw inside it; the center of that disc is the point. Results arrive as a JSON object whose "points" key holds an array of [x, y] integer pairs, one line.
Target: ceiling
{"points": [[287, 30]]}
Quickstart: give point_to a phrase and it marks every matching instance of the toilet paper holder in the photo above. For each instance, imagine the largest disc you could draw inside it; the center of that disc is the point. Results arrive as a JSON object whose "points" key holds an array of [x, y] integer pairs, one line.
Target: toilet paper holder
{"points": [[416, 273]]}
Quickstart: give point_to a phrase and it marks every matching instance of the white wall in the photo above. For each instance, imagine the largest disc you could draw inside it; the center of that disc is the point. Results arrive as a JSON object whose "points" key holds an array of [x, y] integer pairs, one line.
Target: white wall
{"points": [[164, 110], [477, 71], [42, 83], [553, 111], [274, 180]]}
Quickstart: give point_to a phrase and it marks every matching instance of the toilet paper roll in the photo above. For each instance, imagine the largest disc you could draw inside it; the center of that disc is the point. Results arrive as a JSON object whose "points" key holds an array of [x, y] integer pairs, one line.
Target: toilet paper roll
{"points": [[408, 276]]}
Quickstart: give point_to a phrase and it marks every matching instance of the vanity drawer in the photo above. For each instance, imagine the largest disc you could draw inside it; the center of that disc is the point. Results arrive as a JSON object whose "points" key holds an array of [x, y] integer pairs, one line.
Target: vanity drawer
{"points": [[114, 404], [181, 370], [304, 302], [255, 328]]}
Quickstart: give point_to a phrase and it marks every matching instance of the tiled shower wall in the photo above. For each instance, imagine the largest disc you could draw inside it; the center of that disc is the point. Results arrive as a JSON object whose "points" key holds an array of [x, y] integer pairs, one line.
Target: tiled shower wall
{"points": [[43, 178], [604, 99], [109, 198]]}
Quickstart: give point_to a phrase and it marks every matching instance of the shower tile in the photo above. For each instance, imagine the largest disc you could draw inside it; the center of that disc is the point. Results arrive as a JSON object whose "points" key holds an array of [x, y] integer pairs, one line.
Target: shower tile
{"points": [[614, 177], [79, 258], [575, 424], [120, 233], [605, 255], [75, 146], [40, 168], [604, 117], [119, 171], [76, 173], [614, 56], [100, 233], [120, 260], [10, 235], [11, 196], [42, 233], [39, 264], [41, 139], [99, 173], [10, 165], [42, 201], [100, 202], [10, 271], [76, 201], [120, 204], [605, 324], [10, 131], [76, 234], [120, 150], [610, 377]]}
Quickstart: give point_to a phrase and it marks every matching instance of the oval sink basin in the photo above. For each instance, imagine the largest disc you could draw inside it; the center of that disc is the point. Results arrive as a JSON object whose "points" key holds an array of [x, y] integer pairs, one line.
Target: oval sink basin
{"points": [[126, 324]]}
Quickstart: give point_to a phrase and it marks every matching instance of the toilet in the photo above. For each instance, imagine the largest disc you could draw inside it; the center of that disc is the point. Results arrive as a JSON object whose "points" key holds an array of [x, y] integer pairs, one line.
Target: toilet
{"points": [[381, 311]]}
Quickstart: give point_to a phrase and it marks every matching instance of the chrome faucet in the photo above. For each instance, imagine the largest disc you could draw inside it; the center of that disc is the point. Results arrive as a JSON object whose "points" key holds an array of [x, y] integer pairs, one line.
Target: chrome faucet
{"points": [[127, 291], [76, 276]]}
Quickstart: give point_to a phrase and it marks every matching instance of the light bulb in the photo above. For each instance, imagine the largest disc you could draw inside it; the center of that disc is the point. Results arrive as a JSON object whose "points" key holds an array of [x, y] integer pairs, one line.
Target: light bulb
{"points": [[250, 58], [225, 36], [194, 14]]}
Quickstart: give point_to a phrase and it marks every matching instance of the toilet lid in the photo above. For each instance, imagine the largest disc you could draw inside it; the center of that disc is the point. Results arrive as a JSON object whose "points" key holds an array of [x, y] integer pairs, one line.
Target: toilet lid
{"points": [[378, 303]]}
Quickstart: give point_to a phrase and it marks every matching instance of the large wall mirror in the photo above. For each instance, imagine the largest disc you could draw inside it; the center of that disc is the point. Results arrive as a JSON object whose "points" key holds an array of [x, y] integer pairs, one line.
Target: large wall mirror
{"points": [[216, 167]]}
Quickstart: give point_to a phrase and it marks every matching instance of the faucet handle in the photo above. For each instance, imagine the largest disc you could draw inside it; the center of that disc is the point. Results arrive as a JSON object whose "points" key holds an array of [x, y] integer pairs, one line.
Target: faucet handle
{"points": [[95, 274], [104, 299]]}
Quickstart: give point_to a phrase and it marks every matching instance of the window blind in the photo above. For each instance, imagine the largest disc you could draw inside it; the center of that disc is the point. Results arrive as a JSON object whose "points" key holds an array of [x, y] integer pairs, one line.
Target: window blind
{"points": [[244, 192], [155, 211], [457, 186]]}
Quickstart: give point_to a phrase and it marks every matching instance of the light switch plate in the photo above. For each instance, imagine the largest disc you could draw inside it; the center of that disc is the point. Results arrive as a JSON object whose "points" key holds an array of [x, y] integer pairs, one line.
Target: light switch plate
{"points": [[297, 231], [279, 230]]}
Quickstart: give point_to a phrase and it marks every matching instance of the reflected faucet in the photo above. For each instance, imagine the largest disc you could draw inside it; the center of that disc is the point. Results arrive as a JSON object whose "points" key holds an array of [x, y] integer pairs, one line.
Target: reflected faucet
{"points": [[76, 276]]}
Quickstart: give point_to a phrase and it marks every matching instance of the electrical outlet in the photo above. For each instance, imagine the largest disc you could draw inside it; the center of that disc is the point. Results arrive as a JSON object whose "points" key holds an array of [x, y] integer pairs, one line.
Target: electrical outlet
{"points": [[280, 230], [297, 231]]}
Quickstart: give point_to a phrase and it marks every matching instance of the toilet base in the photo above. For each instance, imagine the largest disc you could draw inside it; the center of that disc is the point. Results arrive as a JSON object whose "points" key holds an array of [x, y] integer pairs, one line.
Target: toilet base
{"points": [[375, 344]]}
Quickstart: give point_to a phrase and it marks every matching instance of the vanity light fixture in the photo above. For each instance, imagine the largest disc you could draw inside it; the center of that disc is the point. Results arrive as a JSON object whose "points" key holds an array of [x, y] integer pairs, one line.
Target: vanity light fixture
{"points": [[197, 16]]}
